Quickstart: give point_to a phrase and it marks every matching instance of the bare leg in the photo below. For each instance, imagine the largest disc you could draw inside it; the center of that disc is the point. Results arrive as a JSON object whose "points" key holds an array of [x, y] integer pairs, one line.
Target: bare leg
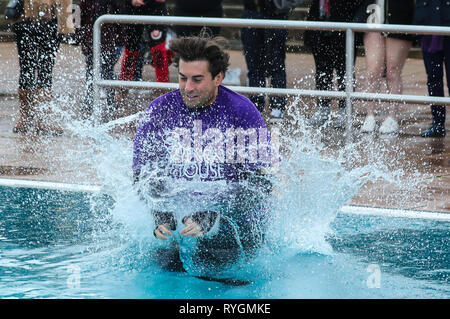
{"points": [[375, 50], [396, 53]]}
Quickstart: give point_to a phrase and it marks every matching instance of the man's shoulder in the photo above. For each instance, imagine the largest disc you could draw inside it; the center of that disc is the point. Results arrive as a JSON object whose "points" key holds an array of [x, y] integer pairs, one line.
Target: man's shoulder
{"points": [[245, 112], [159, 109], [237, 101], [166, 98], [230, 94]]}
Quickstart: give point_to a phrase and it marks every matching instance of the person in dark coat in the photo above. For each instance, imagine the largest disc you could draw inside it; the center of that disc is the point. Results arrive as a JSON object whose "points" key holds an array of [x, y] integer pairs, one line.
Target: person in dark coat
{"points": [[328, 49], [197, 8], [265, 53], [37, 33], [161, 57], [436, 55], [90, 10]]}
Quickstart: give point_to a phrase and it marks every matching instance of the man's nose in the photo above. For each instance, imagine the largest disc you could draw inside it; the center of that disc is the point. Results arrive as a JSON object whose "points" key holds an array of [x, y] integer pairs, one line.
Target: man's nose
{"points": [[190, 85]]}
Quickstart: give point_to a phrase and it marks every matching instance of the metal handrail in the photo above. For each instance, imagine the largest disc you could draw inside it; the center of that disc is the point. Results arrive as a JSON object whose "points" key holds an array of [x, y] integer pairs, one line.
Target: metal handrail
{"points": [[349, 28]]}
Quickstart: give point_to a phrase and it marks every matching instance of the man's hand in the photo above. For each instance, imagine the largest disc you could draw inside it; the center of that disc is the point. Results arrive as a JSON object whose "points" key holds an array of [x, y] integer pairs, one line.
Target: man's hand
{"points": [[137, 3], [192, 229], [162, 231]]}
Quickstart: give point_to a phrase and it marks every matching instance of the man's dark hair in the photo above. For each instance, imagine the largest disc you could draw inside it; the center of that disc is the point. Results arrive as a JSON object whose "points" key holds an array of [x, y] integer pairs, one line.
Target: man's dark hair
{"points": [[201, 48]]}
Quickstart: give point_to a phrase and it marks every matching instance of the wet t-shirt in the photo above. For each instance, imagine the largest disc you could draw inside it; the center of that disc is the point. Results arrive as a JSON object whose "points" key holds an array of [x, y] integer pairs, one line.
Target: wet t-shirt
{"points": [[216, 143]]}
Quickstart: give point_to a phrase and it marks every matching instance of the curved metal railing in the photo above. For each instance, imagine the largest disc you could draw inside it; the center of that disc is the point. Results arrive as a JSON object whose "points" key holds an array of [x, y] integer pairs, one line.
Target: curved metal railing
{"points": [[349, 28]]}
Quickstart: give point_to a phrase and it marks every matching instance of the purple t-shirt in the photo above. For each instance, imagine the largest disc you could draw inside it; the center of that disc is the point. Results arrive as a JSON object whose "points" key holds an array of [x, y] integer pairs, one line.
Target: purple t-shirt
{"points": [[218, 142]]}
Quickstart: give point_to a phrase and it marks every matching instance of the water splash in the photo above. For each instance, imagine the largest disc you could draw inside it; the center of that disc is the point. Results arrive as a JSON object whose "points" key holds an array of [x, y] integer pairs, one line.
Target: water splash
{"points": [[318, 176], [312, 182]]}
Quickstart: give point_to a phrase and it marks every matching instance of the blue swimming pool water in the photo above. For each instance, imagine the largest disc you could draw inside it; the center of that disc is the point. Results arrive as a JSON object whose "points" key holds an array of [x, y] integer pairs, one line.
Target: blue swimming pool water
{"points": [[57, 244]]}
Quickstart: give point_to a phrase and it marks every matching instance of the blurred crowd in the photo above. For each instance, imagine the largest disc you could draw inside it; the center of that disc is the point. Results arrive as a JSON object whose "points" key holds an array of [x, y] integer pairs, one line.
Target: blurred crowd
{"points": [[43, 24]]}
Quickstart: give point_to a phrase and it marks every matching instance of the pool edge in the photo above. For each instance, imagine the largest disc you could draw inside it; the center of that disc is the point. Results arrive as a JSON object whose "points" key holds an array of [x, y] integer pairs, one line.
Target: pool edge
{"points": [[12, 182]]}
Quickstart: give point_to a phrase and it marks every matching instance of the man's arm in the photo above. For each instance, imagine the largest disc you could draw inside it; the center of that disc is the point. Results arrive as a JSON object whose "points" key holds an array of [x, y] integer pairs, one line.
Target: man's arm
{"points": [[197, 224], [164, 221], [149, 149]]}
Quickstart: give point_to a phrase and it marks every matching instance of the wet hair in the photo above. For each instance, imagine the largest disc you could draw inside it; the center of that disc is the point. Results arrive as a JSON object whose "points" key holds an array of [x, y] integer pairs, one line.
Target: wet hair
{"points": [[199, 48]]}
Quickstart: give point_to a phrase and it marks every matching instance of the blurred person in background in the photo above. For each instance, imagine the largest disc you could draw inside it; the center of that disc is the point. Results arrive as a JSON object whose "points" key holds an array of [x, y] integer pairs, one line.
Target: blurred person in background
{"points": [[38, 35], [197, 8], [265, 54], [161, 56], [436, 55], [328, 49], [385, 55], [90, 10]]}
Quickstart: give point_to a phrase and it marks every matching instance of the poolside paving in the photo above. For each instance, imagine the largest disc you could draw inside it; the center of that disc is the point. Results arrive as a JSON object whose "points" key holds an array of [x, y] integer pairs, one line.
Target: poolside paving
{"points": [[46, 158]]}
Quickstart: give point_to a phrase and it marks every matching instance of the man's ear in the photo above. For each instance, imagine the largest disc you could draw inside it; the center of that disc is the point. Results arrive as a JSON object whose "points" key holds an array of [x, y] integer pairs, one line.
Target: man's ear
{"points": [[219, 78]]}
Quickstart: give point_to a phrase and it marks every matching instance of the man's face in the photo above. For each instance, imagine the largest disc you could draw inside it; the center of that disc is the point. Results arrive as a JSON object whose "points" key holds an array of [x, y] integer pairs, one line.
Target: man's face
{"points": [[197, 86]]}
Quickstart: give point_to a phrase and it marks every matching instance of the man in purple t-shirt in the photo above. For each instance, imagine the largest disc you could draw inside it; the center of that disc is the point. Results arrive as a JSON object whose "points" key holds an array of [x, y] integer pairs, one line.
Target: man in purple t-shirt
{"points": [[201, 132]]}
